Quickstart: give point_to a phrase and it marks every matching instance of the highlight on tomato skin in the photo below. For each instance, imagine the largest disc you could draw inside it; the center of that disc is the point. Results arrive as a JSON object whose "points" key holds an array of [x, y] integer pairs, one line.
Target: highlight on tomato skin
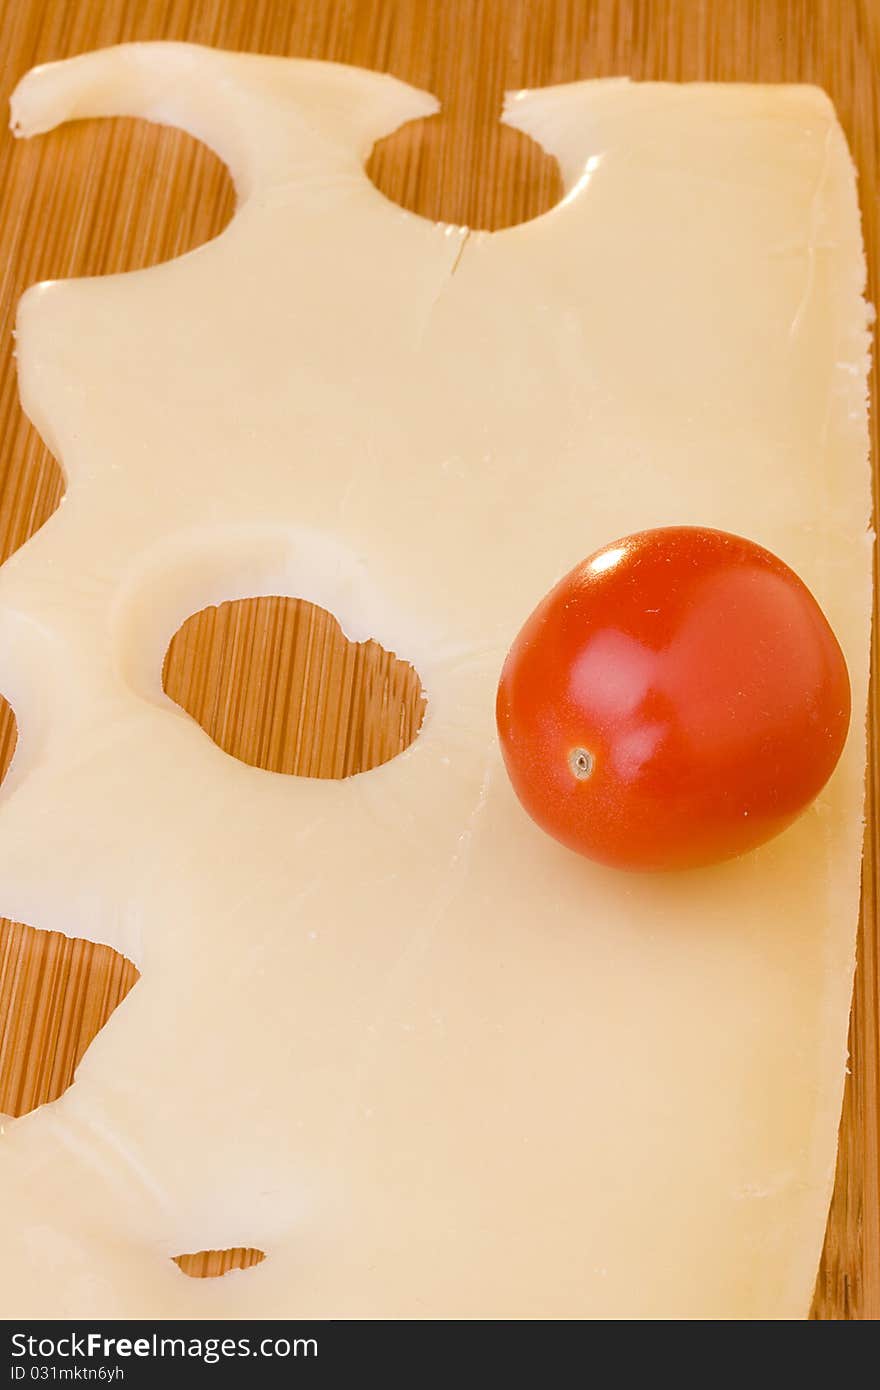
{"points": [[676, 700]]}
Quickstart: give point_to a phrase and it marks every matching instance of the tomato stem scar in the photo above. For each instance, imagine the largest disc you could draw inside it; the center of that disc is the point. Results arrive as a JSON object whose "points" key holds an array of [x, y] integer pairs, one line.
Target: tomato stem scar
{"points": [[581, 762]]}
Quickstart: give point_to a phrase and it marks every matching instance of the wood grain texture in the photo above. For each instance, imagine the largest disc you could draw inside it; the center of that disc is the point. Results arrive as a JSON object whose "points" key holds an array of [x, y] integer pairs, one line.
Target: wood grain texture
{"points": [[56, 992], [275, 682], [210, 1264], [114, 195]]}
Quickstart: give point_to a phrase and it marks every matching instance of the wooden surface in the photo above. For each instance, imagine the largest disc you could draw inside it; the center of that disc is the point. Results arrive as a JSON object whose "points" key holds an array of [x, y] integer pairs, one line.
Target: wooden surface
{"points": [[275, 682], [209, 1264], [113, 195]]}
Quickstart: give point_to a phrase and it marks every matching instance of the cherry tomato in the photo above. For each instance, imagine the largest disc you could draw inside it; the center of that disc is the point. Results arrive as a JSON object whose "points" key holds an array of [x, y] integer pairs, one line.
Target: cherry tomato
{"points": [[676, 700]]}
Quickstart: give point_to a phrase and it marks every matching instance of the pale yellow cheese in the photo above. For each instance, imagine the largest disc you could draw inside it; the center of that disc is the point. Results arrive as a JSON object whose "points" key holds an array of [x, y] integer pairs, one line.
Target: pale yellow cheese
{"points": [[462, 1072]]}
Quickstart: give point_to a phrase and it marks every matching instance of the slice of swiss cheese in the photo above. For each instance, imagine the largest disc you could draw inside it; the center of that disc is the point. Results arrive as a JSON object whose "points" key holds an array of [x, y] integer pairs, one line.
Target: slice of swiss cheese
{"points": [[428, 1061]]}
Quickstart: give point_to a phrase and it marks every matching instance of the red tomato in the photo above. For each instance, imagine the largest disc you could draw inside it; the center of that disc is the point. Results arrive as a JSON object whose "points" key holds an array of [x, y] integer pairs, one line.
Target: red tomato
{"points": [[676, 700]]}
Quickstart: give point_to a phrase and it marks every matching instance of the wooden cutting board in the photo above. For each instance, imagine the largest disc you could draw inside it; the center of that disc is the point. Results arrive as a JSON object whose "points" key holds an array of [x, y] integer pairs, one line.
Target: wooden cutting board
{"points": [[273, 681]]}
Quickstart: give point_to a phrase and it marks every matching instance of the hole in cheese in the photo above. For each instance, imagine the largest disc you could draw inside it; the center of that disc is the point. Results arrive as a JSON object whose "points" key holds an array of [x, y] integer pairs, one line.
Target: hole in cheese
{"points": [[210, 1264], [137, 194], [276, 683], [481, 175], [8, 736], [56, 994]]}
